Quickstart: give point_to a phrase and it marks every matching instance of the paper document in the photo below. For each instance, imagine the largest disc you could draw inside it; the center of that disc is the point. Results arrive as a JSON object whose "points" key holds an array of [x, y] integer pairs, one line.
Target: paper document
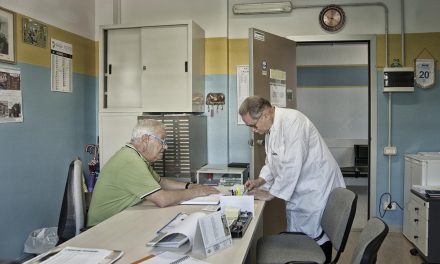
{"points": [[210, 199], [244, 203], [74, 255], [170, 258]]}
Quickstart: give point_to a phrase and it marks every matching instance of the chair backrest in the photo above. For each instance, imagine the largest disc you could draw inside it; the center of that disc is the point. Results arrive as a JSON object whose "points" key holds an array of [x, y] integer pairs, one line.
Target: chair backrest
{"points": [[371, 239], [338, 217], [73, 210]]}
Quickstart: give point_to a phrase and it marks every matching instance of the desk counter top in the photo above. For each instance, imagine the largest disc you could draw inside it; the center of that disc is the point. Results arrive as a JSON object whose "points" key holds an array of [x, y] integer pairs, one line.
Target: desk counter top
{"points": [[132, 228]]}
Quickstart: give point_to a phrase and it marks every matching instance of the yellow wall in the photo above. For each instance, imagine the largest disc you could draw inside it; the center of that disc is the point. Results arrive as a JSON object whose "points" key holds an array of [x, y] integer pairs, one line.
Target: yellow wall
{"points": [[84, 50], [415, 43]]}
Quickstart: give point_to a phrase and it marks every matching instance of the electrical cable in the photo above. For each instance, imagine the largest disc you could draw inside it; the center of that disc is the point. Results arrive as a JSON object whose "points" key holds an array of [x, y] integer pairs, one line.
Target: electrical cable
{"points": [[389, 204]]}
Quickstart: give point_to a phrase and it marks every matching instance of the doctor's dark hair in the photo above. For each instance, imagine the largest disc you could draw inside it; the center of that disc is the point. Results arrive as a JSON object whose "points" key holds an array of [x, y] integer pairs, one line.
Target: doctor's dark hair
{"points": [[254, 105], [145, 127]]}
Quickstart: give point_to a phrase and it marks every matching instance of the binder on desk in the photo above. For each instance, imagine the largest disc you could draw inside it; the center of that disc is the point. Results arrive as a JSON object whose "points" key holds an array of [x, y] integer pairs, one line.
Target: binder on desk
{"points": [[200, 232]]}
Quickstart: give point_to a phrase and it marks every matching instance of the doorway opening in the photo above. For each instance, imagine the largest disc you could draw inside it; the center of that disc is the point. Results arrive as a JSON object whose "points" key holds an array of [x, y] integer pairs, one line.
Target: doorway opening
{"points": [[333, 91]]}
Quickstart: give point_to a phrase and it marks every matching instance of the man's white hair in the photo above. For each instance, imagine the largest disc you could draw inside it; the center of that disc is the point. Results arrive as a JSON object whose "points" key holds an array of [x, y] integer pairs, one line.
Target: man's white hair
{"points": [[145, 127]]}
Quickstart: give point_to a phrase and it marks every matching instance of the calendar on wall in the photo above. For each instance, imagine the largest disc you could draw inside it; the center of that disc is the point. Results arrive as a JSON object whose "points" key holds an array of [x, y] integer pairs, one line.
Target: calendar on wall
{"points": [[61, 66]]}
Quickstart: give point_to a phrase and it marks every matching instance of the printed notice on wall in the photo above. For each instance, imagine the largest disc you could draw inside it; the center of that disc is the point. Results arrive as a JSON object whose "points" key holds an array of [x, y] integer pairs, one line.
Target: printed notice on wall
{"points": [[10, 96], [242, 87], [61, 64]]}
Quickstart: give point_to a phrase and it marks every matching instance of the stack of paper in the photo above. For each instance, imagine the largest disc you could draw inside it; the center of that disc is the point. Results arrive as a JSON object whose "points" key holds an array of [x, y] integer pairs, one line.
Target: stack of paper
{"points": [[73, 255]]}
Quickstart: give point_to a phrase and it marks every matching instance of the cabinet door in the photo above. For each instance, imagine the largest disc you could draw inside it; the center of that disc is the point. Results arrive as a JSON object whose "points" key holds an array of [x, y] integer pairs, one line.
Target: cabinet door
{"points": [[115, 132], [165, 77], [123, 68]]}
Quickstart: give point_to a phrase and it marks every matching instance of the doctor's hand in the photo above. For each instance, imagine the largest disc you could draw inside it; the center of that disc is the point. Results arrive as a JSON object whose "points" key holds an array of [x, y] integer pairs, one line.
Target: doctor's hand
{"points": [[253, 184], [261, 195]]}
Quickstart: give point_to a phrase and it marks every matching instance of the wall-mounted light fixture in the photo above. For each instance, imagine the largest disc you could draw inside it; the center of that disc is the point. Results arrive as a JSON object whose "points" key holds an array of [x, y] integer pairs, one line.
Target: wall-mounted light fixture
{"points": [[262, 8]]}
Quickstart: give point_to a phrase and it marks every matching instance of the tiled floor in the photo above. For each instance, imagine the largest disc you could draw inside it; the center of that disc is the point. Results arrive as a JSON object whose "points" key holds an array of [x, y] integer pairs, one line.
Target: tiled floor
{"points": [[395, 248]]}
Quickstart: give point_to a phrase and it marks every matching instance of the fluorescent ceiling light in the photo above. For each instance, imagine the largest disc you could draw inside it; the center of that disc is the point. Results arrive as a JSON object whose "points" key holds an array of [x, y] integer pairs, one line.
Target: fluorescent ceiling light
{"points": [[262, 8]]}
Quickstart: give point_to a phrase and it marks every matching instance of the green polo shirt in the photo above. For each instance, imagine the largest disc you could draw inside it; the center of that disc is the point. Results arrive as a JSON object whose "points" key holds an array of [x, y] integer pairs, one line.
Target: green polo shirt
{"points": [[123, 182]]}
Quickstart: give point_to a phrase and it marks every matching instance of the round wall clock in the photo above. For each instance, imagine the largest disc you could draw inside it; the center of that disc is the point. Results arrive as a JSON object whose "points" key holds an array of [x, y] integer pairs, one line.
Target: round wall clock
{"points": [[332, 18]]}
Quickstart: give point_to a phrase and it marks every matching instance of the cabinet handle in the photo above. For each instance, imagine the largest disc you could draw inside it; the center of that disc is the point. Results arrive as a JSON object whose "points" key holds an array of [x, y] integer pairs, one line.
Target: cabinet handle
{"points": [[416, 237], [416, 220], [416, 209], [109, 69], [186, 66], [144, 67]]}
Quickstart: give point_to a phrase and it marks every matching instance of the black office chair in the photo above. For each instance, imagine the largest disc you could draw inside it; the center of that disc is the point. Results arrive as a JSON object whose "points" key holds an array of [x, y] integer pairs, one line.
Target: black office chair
{"points": [[73, 209], [371, 239], [336, 222]]}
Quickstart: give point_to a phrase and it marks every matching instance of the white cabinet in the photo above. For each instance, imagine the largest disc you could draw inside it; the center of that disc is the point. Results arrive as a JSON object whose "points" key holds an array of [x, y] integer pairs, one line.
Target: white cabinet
{"points": [[114, 132], [152, 68], [421, 215], [147, 68]]}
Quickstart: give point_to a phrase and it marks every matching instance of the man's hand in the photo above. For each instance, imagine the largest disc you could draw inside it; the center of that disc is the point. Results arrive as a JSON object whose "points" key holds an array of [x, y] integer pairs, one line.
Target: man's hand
{"points": [[202, 190], [253, 184]]}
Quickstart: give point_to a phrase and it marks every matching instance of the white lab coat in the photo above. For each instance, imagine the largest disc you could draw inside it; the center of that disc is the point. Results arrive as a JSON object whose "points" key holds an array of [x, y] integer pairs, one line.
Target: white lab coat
{"points": [[300, 170]]}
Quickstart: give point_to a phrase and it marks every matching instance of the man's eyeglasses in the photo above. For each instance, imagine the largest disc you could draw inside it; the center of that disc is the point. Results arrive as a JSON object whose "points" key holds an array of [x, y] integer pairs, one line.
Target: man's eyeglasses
{"points": [[255, 125], [163, 142]]}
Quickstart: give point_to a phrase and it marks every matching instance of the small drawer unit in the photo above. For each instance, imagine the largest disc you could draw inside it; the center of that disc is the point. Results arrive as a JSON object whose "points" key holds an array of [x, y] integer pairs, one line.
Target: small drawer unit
{"points": [[220, 174], [421, 225]]}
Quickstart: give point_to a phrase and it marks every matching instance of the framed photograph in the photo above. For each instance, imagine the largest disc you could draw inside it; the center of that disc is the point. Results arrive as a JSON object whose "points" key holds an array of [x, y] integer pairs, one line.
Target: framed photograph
{"points": [[34, 32], [7, 36]]}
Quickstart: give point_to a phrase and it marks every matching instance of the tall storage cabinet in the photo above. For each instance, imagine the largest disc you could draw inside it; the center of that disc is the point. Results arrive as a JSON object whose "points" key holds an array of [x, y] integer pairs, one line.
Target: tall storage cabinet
{"points": [[420, 222], [147, 69]]}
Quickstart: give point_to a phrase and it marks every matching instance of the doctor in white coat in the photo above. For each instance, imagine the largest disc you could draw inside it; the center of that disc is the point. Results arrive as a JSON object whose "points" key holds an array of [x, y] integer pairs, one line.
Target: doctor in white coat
{"points": [[299, 167]]}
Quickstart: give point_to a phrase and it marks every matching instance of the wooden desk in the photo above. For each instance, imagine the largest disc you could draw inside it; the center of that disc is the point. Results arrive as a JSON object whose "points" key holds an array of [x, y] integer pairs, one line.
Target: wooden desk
{"points": [[131, 229]]}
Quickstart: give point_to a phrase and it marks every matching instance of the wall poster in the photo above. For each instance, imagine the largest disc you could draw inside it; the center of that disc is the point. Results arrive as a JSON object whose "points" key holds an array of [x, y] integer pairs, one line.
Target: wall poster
{"points": [[61, 66], [242, 87], [10, 96]]}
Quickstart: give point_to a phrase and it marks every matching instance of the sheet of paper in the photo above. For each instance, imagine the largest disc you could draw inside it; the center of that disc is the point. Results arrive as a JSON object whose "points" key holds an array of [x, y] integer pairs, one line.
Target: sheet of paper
{"points": [[170, 257], [210, 199], [244, 203], [73, 255]]}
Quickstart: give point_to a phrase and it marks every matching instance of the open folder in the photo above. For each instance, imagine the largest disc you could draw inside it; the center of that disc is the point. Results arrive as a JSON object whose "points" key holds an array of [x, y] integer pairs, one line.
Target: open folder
{"points": [[180, 236]]}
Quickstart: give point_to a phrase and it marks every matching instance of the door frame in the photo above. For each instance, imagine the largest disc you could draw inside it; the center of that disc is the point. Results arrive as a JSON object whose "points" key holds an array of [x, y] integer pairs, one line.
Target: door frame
{"points": [[372, 102]]}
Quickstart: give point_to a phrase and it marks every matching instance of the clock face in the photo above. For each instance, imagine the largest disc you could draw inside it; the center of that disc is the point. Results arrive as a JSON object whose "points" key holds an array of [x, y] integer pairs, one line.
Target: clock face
{"points": [[332, 18]]}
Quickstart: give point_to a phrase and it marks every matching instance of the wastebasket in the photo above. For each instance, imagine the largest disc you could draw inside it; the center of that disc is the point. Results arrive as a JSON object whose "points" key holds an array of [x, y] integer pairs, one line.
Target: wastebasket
{"points": [[41, 240]]}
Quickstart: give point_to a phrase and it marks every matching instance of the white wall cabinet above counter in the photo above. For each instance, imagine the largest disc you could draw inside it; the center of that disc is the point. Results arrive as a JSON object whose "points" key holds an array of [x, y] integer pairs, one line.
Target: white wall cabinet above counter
{"points": [[152, 68]]}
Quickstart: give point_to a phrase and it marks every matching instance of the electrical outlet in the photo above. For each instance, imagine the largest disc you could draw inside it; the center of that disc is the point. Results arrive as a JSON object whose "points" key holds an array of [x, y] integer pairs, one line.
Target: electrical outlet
{"points": [[389, 151], [386, 205]]}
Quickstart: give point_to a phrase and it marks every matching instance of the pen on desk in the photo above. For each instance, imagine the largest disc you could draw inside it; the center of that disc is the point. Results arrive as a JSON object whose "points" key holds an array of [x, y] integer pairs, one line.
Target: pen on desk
{"points": [[245, 191]]}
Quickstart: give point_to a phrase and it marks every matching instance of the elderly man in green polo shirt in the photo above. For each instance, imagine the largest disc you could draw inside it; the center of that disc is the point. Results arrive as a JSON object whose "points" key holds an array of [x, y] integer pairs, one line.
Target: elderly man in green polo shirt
{"points": [[128, 178]]}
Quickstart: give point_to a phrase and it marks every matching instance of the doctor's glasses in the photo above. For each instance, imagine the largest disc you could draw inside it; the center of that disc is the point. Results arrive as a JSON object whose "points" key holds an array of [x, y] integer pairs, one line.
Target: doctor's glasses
{"points": [[255, 124]]}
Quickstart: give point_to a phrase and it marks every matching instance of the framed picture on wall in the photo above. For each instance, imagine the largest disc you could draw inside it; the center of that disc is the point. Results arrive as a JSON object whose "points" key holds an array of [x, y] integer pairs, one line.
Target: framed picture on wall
{"points": [[7, 36], [34, 32]]}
